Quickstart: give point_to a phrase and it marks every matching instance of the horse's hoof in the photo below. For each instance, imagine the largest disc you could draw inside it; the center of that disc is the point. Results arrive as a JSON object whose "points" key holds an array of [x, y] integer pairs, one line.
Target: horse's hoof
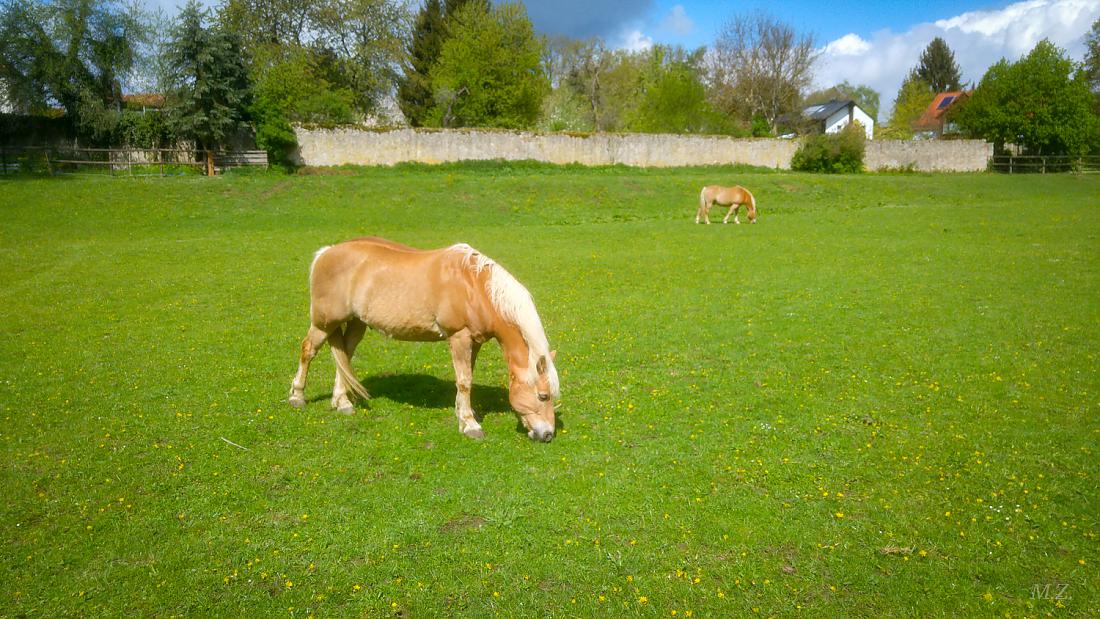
{"points": [[347, 409], [297, 401], [475, 433]]}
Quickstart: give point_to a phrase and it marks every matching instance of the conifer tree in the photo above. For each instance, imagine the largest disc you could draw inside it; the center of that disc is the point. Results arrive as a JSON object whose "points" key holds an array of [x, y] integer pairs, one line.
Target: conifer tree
{"points": [[938, 67]]}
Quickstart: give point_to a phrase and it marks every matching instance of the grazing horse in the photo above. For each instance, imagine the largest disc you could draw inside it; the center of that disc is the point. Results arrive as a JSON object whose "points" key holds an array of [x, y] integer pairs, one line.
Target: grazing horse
{"points": [[732, 197], [456, 294]]}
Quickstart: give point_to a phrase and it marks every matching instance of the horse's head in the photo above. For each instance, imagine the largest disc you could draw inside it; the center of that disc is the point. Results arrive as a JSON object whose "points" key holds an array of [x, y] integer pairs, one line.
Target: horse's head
{"points": [[534, 402]]}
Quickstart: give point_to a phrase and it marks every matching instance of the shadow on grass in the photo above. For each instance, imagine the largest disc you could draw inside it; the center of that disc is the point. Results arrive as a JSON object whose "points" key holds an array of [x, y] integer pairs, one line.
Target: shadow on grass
{"points": [[423, 391]]}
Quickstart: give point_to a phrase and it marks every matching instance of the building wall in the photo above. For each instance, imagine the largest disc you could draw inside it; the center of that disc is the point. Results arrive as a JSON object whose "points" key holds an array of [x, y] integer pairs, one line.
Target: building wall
{"points": [[333, 147], [839, 120]]}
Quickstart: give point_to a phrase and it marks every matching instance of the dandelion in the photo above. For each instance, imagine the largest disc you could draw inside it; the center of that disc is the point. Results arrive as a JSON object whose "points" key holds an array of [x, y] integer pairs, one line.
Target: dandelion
{"points": [[643, 599]]}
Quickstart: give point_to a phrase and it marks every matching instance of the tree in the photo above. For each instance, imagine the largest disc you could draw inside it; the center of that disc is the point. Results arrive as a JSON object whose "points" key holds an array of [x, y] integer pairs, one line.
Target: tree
{"points": [[212, 88], [72, 53], [358, 43], [937, 67], [914, 97], [414, 90], [368, 40], [1041, 102], [764, 67], [1092, 59], [672, 98], [489, 72]]}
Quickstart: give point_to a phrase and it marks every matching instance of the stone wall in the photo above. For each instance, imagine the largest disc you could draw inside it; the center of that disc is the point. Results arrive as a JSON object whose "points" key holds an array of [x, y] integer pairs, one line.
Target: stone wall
{"points": [[332, 147]]}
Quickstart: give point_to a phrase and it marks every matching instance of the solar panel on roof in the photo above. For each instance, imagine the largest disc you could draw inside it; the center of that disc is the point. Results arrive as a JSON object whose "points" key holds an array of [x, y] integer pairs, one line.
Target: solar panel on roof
{"points": [[946, 102]]}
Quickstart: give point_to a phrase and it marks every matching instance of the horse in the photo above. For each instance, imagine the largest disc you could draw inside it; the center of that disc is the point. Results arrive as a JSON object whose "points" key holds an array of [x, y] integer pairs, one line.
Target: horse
{"points": [[732, 197], [456, 294]]}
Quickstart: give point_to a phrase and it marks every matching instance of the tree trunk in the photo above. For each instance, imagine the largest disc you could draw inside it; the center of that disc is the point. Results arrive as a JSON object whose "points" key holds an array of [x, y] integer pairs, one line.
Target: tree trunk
{"points": [[209, 162]]}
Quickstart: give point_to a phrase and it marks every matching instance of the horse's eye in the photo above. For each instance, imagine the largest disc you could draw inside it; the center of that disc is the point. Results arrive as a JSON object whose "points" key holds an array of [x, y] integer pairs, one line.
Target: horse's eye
{"points": [[544, 397]]}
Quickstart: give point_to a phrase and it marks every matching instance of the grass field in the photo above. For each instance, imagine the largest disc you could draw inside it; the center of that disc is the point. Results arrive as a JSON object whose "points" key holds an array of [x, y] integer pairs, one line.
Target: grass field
{"points": [[881, 400]]}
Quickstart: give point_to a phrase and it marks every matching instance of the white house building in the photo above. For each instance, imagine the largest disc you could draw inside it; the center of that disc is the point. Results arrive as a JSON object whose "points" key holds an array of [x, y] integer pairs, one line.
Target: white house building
{"points": [[834, 115]]}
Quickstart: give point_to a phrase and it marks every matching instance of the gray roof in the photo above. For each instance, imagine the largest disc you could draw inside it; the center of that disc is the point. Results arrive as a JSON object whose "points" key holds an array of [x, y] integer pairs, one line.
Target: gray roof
{"points": [[822, 111]]}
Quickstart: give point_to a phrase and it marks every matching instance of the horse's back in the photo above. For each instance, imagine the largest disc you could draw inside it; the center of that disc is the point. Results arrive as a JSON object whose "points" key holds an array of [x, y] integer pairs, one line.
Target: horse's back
{"points": [[395, 288], [727, 195]]}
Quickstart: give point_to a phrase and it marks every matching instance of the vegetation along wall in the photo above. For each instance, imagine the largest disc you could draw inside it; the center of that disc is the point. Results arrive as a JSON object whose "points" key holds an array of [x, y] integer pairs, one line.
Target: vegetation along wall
{"points": [[331, 147]]}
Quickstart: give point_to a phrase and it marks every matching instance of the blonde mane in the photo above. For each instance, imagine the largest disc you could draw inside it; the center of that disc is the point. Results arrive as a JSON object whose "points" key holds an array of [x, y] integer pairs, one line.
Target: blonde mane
{"points": [[514, 303]]}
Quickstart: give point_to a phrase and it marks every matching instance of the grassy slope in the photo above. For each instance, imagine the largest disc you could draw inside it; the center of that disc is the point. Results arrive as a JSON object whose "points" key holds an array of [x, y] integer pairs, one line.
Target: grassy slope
{"points": [[880, 399]]}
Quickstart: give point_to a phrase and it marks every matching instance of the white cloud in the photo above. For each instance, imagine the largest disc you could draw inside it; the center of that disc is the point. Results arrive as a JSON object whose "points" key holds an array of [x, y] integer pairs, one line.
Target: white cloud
{"points": [[978, 39], [848, 45], [634, 41], [678, 21]]}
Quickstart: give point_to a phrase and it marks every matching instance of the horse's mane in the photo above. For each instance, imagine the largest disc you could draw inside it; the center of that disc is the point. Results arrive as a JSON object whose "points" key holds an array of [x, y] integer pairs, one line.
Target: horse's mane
{"points": [[515, 304]]}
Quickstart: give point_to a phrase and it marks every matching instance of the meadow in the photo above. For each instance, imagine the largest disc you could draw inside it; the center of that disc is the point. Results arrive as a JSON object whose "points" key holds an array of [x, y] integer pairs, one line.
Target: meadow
{"points": [[880, 400]]}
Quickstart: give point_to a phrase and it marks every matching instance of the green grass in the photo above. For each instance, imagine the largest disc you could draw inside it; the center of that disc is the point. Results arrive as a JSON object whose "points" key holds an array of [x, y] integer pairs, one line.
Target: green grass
{"points": [[881, 400]]}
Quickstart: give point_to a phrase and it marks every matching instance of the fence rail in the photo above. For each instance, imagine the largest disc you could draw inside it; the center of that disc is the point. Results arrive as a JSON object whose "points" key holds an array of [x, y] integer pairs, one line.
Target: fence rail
{"points": [[1044, 164], [122, 161]]}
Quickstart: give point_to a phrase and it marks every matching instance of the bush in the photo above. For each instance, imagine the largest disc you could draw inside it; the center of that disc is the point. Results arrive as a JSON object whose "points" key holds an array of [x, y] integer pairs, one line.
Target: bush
{"points": [[832, 153]]}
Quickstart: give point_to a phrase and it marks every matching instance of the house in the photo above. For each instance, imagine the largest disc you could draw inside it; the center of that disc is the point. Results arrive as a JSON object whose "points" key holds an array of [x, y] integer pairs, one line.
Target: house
{"points": [[144, 102], [832, 116], [932, 123]]}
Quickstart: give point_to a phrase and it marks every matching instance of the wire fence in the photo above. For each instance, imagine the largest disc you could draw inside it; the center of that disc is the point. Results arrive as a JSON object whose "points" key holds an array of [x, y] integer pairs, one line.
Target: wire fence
{"points": [[1044, 164], [122, 161]]}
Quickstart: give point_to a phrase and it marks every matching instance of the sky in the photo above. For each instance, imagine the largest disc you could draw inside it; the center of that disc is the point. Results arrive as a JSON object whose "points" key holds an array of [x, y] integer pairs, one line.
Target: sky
{"points": [[864, 42], [870, 43]]}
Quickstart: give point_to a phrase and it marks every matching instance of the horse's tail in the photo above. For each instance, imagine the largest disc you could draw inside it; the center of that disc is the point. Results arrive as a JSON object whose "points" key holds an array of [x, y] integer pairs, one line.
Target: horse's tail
{"points": [[702, 197], [343, 364]]}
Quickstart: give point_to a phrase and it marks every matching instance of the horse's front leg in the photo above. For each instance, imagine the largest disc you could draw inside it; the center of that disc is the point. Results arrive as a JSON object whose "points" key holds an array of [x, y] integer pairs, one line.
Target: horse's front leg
{"points": [[464, 356], [732, 211]]}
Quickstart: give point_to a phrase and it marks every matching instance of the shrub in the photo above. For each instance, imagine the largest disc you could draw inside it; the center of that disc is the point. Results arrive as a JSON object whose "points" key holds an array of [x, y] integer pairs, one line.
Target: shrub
{"points": [[832, 153]]}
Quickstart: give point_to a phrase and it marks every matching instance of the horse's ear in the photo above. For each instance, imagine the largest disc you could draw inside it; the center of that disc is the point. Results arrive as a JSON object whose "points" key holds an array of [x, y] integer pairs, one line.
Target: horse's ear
{"points": [[553, 355], [540, 365]]}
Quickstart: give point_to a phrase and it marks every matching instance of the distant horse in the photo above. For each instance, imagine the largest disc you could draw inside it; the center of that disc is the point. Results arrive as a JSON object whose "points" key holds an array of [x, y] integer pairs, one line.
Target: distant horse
{"points": [[732, 197], [455, 294]]}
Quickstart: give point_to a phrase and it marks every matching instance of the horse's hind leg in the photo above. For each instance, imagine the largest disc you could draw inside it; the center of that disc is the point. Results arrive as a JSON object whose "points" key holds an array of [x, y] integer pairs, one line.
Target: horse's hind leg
{"points": [[353, 334], [464, 356], [310, 345]]}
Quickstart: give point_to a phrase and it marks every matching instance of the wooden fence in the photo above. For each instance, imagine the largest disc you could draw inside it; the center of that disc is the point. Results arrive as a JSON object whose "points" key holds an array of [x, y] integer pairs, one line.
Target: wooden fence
{"points": [[122, 162], [1044, 164]]}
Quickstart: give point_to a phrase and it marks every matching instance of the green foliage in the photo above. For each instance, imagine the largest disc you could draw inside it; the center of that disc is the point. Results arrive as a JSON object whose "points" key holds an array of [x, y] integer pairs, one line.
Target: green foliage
{"points": [[832, 153], [672, 97], [212, 91], [295, 89], [72, 53], [489, 72], [914, 97], [836, 412], [148, 130], [938, 68], [1041, 102], [414, 90], [361, 42]]}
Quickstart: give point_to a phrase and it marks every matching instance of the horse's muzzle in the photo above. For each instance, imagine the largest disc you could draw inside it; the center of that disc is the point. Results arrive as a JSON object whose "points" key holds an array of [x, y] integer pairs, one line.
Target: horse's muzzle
{"points": [[542, 436]]}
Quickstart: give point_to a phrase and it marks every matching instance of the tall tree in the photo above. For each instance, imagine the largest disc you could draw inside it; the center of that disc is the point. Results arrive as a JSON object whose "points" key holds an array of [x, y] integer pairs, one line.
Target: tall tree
{"points": [[938, 68], [672, 97], [767, 65], [489, 71], [1041, 102], [72, 53], [414, 90], [914, 97], [212, 88], [1092, 59]]}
